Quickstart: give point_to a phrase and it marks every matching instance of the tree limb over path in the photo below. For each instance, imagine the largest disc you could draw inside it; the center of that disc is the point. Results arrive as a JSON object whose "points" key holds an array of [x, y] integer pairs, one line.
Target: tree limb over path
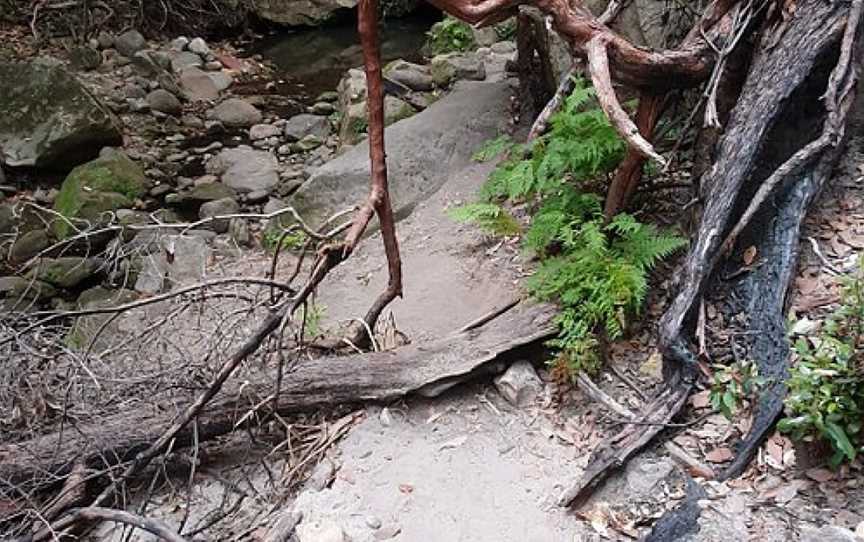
{"points": [[45, 461]]}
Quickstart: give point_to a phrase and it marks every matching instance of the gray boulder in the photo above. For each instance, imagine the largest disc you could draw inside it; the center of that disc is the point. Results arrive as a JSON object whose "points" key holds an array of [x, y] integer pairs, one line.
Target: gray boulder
{"points": [[199, 47], [520, 384], [65, 272], [86, 328], [263, 131], [49, 119], [184, 59], [7, 220], [19, 293], [453, 66], [163, 101], [236, 113], [186, 265], [422, 150], [414, 76], [197, 85], [28, 245], [130, 42], [245, 169], [302, 125], [219, 207]]}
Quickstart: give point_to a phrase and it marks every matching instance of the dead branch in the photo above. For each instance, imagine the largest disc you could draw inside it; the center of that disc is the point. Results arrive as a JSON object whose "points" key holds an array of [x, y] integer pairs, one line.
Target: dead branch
{"points": [[153, 526]]}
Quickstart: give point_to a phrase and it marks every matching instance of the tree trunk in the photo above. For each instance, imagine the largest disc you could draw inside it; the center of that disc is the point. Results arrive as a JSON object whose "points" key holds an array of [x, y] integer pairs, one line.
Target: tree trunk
{"points": [[429, 369]]}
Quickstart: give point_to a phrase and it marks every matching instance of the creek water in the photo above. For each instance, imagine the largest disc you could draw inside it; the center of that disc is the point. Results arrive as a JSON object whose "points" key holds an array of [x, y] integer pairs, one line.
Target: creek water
{"points": [[313, 61]]}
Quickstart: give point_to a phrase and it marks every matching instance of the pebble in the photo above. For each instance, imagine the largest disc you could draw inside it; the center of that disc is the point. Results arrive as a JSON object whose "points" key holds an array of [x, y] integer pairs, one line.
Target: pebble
{"points": [[386, 532], [373, 522], [179, 44], [213, 66], [160, 190], [177, 156], [215, 146], [199, 47], [257, 196]]}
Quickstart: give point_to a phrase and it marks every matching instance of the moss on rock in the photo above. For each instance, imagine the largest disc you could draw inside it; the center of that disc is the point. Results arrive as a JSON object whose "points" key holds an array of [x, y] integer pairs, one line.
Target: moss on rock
{"points": [[110, 182]]}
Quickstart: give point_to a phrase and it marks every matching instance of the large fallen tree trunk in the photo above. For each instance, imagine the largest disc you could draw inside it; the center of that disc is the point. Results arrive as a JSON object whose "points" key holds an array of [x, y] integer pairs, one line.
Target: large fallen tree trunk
{"points": [[428, 368]]}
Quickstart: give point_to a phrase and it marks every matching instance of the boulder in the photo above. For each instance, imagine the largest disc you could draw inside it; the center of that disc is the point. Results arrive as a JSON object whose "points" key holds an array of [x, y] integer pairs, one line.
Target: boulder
{"points": [[110, 182], [453, 66], [197, 85], [245, 169], [185, 265], [130, 42], [300, 126], [414, 76], [236, 113], [353, 110], [519, 385], [422, 152], [49, 119], [302, 13], [163, 101], [199, 47], [7, 220], [83, 334], [184, 59], [28, 245], [19, 293], [219, 207], [65, 272], [263, 131], [207, 192]]}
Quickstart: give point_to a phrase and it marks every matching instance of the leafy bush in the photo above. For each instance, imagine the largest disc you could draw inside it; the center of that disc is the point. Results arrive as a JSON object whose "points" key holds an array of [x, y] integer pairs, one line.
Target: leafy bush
{"points": [[595, 270], [733, 385], [826, 384], [292, 241], [450, 35]]}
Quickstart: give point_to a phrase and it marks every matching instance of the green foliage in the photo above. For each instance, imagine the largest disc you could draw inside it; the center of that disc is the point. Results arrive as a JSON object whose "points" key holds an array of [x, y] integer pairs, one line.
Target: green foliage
{"points": [[488, 216], [312, 316], [506, 30], [596, 271], [293, 240], [492, 148], [580, 145], [826, 385], [450, 36], [733, 385]]}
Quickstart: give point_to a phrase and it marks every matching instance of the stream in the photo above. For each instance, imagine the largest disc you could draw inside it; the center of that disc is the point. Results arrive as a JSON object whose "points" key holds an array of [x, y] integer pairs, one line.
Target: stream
{"points": [[313, 61]]}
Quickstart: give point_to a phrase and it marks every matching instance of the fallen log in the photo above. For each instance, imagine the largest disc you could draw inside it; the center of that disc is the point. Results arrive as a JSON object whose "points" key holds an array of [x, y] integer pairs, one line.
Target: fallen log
{"points": [[45, 461]]}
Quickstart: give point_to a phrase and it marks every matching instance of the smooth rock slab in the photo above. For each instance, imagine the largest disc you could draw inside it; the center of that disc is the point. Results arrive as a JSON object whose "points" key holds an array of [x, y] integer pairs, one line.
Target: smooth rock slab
{"points": [[49, 120], [422, 152], [245, 169]]}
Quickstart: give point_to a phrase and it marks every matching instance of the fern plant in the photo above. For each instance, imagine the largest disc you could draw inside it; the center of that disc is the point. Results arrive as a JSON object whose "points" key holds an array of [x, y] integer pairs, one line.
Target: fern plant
{"points": [[597, 271], [450, 35]]}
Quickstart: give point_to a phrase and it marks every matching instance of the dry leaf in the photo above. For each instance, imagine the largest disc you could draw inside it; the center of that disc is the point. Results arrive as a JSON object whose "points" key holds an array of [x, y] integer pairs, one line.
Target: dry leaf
{"points": [[820, 475], [775, 452], [749, 255], [719, 455], [701, 399]]}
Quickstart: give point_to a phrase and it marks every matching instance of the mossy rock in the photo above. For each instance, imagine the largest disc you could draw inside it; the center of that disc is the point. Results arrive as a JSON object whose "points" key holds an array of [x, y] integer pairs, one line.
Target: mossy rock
{"points": [[85, 329], [19, 293], [65, 272], [110, 182]]}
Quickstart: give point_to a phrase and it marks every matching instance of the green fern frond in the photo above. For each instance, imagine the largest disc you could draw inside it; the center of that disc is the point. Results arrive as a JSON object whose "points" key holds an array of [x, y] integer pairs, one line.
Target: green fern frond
{"points": [[488, 216], [492, 148]]}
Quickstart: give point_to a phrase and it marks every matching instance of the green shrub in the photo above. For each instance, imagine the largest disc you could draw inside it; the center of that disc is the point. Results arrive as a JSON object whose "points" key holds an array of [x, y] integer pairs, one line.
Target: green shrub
{"points": [[291, 241], [733, 385], [450, 36], [826, 384], [595, 270]]}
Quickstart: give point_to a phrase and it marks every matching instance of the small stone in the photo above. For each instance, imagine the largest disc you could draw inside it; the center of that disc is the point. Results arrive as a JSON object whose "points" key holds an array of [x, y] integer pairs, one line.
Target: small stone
{"points": [[192, 121], [263, 131], [302, 125], [321, 477], [179, 44], [199, 47], [328, 96], [160, 190], [519, 385], [322, 108], [414, 76], [163, 101], [238, 229], [283, 529], [449, 67], [385, 417], [185, 59], [373, 522], [29, 245], [133, 91], [309, 142], [258, 196], [130, 42], [236, 112], [197, 85], [503, 47], [85, 58], [105, 39], [213, 66], [177, 156], [386, 532]]}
